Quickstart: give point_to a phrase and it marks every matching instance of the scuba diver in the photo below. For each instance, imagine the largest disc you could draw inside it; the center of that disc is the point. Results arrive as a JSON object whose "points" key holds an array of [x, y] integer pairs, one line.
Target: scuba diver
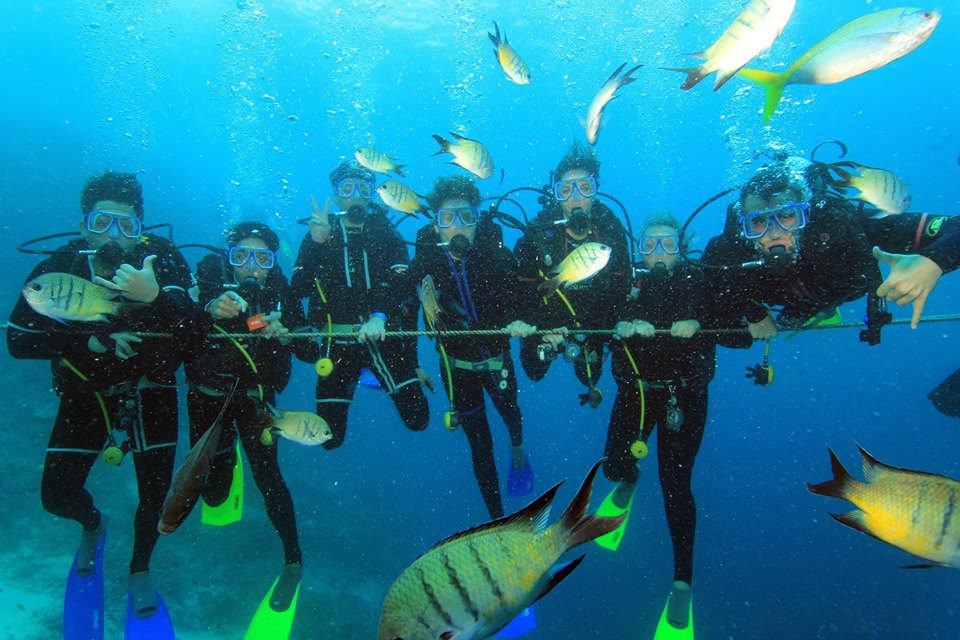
{"points": [[351, 267], [117, 389], [662, 382], [243, 291], [572, 219], [790, 242], [466, 281]]}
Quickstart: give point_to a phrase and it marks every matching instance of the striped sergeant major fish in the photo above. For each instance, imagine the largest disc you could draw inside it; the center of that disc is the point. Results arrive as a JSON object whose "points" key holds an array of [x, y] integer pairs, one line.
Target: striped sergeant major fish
{"points": [[583, 262], [511, 63], [914, 511], [467, 153], [472, 584], [64, 297]]}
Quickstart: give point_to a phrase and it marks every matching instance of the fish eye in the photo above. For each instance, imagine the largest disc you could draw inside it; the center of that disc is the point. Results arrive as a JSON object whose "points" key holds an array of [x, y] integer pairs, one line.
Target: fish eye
{"points": [[36, 286]]}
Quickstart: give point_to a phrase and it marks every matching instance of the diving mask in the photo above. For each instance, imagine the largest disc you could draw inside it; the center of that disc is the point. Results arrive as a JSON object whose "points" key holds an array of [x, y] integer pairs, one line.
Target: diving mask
{"points": [[447, 216], [586, 187], [789, 217], [101, 222], [667, 243], [241, 255], [355, 188]]}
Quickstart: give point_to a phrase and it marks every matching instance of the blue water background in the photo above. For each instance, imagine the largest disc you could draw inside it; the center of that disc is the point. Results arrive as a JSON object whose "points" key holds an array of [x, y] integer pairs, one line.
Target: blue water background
{"points": [[239, 111]]}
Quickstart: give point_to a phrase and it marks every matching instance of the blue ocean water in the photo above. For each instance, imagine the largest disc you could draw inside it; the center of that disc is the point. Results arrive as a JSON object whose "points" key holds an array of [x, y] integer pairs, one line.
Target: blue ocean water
{"points": [[239, 109]]}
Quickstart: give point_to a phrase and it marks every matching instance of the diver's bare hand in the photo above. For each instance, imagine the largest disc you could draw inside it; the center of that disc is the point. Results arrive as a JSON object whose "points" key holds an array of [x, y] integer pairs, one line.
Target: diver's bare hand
{"points": [[139, 285], [275, 328], [912, 278], [684, 328], [425, 379], [372, 330], [228, 305], [520, 329], [763, 330], [320, 221]]}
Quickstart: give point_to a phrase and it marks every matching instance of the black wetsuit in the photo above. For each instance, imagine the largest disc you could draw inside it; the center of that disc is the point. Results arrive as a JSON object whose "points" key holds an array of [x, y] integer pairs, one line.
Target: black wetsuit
{"points": [[675, 373], [354, 273], [139, 393], [212, 373], [835, 264], [477, 291], [541, 249]]}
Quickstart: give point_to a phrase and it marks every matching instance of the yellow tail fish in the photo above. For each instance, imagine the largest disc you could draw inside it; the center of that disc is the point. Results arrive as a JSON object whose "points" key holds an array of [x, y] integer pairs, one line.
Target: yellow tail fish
{"points": [[429, 300], [377, 161], [914, 511], [607, 92], [511, 63], [581, 263], [862, 45], [473, 583], [467, 153], [751, 34]]}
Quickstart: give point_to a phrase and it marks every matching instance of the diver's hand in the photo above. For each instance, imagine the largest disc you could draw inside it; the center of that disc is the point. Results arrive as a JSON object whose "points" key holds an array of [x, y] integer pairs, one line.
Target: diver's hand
{"points": [[372, 330], [684, 328], [425, 379], [139, 285], [644, 329], [912, 278], [275, 329], [228, 305], [763, 330], [520, 329], [555, 339], [122, 344], [320, 221], [624, 329]]}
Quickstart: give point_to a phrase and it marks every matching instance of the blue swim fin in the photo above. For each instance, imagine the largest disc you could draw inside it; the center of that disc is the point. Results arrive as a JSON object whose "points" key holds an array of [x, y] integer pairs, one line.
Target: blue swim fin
{"points": [[83, 601], [520, 481], [157, 627], [368, 380], [523, 623]]}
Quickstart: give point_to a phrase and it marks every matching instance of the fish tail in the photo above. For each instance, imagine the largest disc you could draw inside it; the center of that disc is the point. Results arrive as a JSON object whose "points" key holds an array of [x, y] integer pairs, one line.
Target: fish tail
{"points": [[694, 75], [839, 486], [495, 39], [576, 525], [773, 84], [397, 170], [444, 144]]}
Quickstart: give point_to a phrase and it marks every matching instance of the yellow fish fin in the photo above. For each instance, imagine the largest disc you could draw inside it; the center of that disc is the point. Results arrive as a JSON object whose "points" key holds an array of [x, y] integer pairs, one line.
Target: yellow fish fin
{"points": [[773, 84]]}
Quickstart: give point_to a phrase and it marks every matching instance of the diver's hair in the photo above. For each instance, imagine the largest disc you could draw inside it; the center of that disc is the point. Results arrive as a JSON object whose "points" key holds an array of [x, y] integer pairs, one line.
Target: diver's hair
{"points": [[112, 185], [792, 173], [578, 158], [665, 219], [350, 169], [252, 229], [453, 188]]}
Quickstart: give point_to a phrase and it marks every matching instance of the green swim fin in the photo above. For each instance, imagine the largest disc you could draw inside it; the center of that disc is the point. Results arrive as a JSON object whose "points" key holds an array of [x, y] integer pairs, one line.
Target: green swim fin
{"points": [[268, 624], [232, 508], [610, 510], [666, 631]]}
